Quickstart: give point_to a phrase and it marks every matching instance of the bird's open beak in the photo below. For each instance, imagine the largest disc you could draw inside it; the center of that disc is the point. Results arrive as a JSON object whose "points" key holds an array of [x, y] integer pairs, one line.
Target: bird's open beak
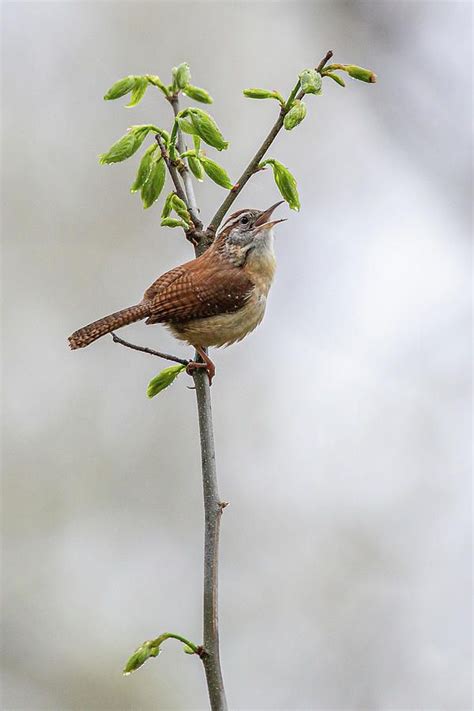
{"points": [[263, 218]]}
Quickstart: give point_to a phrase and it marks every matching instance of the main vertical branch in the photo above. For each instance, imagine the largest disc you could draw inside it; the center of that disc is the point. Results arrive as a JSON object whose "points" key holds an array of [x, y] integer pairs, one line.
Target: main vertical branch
{"points": [[213, 511], [212, 504]]}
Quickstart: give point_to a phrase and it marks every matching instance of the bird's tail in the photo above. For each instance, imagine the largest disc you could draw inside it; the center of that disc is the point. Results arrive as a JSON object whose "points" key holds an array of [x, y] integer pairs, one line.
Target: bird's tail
{"points": [[90, 333]]}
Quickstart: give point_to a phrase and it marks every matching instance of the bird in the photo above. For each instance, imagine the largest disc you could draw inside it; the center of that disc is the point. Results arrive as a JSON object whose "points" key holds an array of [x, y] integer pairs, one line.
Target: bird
{"points": [[213, 300]]}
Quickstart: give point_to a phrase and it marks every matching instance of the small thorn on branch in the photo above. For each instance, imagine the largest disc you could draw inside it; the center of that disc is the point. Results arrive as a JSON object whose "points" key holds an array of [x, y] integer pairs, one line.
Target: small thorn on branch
{"points": [[223, 504]]}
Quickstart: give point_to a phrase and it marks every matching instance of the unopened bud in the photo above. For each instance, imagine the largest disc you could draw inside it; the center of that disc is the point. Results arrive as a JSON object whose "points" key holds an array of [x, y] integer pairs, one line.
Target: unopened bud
{"points": [[196, 168], [198, 94], [361, 74], [179, 206], [205, 126], [260, 94], [182, 75], [295, 115], [140, 656], [285, 181], [310, 81], [120, 88]]}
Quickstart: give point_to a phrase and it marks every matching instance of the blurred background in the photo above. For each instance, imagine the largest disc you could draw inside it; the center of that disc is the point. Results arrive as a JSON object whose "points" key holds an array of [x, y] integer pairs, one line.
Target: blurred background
{"points": [[342, 424]]}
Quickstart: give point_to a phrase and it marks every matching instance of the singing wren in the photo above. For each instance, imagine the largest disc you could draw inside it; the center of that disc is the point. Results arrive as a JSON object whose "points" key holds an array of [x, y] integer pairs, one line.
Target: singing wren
{"points": [[213, 300]]}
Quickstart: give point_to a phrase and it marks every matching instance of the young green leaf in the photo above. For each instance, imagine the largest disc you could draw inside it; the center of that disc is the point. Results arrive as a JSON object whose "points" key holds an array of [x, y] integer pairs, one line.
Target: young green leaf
{"points": [[122, 149], [182, 75], [295, 115], [196, 168], [120, 88], [361, 74], [198, 94], [138, 91], [140, 656], [168, 206], [186, 126], [180, 207], [285, 182], [156, 81], [205, 126], [216, 172], [263, 94], [310, 81], [335, 77], [153, 186], [164, 379], [173, 222], [144, 168]]}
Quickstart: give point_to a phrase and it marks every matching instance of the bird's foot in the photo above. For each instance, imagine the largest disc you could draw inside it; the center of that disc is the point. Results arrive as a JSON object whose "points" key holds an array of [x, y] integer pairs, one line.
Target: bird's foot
{"points": [[206, 363], [194, 365]]}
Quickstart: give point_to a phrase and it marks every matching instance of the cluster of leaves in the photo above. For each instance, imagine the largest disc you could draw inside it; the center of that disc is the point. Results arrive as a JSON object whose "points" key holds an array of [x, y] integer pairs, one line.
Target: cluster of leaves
{"points": [[203, 130], [200, 125], [151, 174]]}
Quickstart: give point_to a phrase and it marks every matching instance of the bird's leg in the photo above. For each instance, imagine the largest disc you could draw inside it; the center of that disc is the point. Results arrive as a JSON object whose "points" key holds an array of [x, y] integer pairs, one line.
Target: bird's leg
{"points": [[207, 364]]}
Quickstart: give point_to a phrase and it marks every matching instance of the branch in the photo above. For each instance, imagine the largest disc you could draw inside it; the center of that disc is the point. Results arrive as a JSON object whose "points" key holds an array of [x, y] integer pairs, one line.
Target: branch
{"points": [[150, 351], [213, 508], [171, 168], [185, 174], [254, 163]]}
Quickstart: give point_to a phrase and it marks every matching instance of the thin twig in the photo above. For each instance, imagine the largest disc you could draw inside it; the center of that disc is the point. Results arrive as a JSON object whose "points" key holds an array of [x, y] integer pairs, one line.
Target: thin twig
{"points": [[184, 171], [171, 168], [254, 163], [150, 351]]}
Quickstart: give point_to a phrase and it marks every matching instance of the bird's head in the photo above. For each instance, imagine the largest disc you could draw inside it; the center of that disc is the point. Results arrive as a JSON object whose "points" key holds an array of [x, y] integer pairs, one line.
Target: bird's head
{"points": [[248, 228]]}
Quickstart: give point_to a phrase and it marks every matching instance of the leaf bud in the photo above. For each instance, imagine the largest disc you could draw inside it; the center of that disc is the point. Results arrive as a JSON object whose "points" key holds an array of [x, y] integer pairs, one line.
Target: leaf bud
{"points": [[180, 207], [120, 88], [153, 186], [295, 115], [198, 94], [144, 168], [140, 656], [196, 168], [172, 222], [310, 81], [205, 126], [216, 172], [361, 74], [335, 77], [182, 75], [261, 94], [285, 181]]}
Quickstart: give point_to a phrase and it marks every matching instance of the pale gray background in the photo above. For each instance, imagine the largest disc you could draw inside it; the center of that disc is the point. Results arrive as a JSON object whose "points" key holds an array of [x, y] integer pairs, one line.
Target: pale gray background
{"points": [[342, 424]]}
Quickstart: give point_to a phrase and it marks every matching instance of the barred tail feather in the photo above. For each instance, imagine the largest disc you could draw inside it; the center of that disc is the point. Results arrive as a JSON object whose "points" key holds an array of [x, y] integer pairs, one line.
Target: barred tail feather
{"points": [[90, 333]]}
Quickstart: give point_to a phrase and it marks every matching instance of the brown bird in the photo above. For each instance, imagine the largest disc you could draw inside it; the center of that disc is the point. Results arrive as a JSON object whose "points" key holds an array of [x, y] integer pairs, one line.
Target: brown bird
{"points": [[213, 300]]}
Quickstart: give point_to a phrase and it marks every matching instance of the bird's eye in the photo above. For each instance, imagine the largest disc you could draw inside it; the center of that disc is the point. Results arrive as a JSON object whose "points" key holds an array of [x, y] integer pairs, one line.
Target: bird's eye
{"points": [[244, 220]]}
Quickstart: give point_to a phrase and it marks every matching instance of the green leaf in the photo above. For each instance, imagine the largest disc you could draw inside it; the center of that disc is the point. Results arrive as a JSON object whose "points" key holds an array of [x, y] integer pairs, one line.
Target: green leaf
{"points": [[140, 656], [120, 88], [144, 169], [186, 126], [198, 94], [262, 94], [361, 74], [216, 172], [139, 89], [285, 181], [335, 77], [122, 149], [181, 75], [156, 81], [173, 222], [180, 207], [295, 115], [310, 81], [205, 126], [164, 379], [153, 186], [168, 206], [196, 168]]}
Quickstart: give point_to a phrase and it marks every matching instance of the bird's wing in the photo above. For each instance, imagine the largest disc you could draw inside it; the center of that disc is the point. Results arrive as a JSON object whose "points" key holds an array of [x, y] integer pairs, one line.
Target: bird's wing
{"points": [[197, 289]]}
